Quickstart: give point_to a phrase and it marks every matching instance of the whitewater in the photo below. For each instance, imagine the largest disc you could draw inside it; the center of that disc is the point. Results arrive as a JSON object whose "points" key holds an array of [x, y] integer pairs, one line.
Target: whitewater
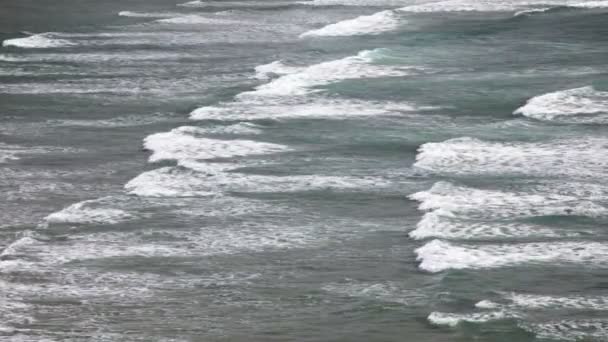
{"points": [[361, 170]]}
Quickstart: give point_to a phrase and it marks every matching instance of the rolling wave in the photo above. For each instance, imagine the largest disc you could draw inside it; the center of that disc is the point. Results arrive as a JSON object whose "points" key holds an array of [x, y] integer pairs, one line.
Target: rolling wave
{"points": [[148, 14], [465, 202], [452, 319], [88, 212], [443, 225], [578, 105], [438, 256], [309, 108], [187, 143], [207, 180], [38, 41], [276, 68], [363, 25], [576, 157], [304, 82]]}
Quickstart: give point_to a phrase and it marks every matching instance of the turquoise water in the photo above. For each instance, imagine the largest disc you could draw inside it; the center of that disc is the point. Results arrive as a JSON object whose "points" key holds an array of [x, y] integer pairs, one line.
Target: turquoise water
{"points": [[328, 170]]}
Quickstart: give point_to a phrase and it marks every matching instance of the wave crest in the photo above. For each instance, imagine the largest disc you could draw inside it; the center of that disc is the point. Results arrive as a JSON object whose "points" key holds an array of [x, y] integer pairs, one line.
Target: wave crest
{"points": [[363, 25], [583, 104], [38, 41]]}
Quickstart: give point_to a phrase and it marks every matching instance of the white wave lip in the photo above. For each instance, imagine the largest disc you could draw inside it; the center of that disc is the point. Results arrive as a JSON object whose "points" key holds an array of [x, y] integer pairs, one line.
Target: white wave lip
{"points": [[276, 68], [579, 157], [453, 319], [444, 226], [19, 247], [185, 143], [193, 19], [531, 11], [301, 83], [447, 199], [131, 14], [242, 128], [363, 25], [438, 256], [215, 180], [38, 41], [566, 103], [195, 3], [88, 212], [317, 108], [169, 182]]}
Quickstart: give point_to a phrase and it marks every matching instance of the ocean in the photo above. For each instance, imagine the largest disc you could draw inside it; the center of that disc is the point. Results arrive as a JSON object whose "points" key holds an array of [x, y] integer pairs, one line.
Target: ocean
{"points": [[316, 170]]}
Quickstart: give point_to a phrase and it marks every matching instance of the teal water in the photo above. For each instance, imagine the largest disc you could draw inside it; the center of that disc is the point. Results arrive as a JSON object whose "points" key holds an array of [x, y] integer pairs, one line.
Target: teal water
{"points": [[327, 170]]}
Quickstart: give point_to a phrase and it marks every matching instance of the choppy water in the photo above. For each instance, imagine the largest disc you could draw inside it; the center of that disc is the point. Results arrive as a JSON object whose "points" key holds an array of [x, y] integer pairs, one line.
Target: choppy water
{"points": [[325, 170]]}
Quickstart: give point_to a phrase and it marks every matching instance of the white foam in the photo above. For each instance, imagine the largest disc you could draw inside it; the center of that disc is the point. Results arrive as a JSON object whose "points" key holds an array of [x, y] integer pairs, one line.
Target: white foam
{"points": [[148, 14], [267, 71], [448, 199], [9, 152], [185, 143], [241, 128], [386, 292], [193, 19], [591, 4], [484, 5], [363, 25], [15, 249], [121, 121], [575, 157], [227, 206], [289, 96], [302, 82], [570, 330], [83, 248], [99, 57], [590, 191], [437, 255], [175, 182], [312, 108], [453, 319], [228, 12], [487, 304], [568, 105], [460, 6], [38, 41], [89, 212], [519, 301], [531, 11], [253, 237], [531, 301], [436, 225], [195, 3], [364, 3], [246, 4], [226, 237]]}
